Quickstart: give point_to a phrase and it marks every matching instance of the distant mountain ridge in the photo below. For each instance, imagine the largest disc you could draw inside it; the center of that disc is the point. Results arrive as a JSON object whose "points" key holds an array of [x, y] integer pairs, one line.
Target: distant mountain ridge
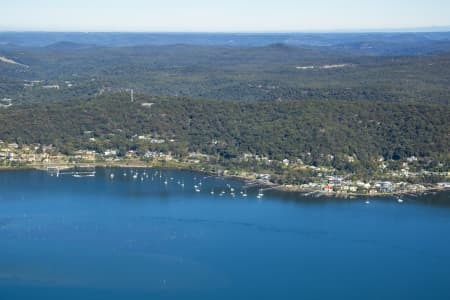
{"points": [[392, 43]]}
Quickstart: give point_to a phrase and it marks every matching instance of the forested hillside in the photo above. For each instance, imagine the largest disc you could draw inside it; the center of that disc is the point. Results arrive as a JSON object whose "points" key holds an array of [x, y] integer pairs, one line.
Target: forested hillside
{"points": [[65, 71], [307, 130], [337, 100]]}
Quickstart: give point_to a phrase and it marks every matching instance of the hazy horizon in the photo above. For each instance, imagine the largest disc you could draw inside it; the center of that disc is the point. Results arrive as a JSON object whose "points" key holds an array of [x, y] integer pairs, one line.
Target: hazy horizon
{"points": [[233, 16], [350, 31]]}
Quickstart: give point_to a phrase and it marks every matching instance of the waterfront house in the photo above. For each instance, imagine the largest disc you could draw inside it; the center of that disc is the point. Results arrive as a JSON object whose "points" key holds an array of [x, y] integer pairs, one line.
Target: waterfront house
{"points": [[131, 154], [328, 188], [264, 176], [386, 186], [353, 189], [10, 156], [110, 152], [335, 180]]}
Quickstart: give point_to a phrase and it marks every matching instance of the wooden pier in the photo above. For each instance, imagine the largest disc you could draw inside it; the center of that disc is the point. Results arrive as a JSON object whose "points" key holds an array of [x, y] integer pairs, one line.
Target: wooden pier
{"points": [[83, 169]]}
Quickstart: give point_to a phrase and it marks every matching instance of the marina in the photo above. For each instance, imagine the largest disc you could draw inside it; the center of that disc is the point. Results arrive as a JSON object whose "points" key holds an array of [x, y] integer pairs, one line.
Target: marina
{"points": [[257, 186], [181, 232]]}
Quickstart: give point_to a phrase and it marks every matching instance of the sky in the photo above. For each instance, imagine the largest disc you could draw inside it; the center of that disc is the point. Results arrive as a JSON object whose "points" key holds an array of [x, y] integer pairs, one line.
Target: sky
{"points": [[222, 16]]}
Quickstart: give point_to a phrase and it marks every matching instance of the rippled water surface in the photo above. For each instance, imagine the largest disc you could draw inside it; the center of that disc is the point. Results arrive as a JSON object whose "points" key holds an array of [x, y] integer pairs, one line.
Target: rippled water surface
{"points": [[150, 237]]}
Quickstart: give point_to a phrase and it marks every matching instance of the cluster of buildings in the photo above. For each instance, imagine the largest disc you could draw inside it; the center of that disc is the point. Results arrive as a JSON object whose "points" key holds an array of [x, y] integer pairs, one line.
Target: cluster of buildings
{"points": [[28, 154], [85, 155], [151, 139], [42, 84], [113, 155], [158, 155], [324, 180], [338, 184]]}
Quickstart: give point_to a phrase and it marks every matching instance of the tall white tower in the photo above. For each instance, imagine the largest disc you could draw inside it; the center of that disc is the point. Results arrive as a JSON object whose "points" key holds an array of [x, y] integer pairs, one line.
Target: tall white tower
{"points": [[132, 95]]}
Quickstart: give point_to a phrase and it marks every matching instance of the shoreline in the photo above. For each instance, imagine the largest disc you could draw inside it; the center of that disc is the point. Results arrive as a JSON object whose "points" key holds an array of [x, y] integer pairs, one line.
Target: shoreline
{"points": [[351, 195], [256, 183]]}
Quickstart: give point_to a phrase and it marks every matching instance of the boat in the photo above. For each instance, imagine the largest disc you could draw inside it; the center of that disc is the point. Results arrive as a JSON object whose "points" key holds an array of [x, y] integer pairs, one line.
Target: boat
{"points": [[400, 200], [111, 175], [260, 194], [78, 175]]}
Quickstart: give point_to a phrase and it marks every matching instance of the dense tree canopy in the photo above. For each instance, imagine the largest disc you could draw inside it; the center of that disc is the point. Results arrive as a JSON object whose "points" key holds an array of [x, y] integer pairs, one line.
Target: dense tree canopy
{"points": [[307, 130]]}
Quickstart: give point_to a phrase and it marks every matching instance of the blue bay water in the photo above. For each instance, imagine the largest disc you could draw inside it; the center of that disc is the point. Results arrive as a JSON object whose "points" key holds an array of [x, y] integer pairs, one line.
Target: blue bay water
{"points": [[123, 238]]}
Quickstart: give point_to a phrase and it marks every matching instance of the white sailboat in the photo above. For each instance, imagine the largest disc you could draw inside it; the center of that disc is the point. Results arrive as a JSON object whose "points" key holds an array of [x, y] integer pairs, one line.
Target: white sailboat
{"points": [[260, 194]]}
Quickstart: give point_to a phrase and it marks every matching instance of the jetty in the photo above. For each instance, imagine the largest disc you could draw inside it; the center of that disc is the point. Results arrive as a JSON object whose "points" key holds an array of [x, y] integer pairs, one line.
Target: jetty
{"points": [[76, 170]]}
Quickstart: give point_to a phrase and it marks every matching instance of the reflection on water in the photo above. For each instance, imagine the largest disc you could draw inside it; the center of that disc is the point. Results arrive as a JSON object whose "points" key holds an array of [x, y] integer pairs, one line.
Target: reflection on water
{"points": [[429, 198], [151, 234]]}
